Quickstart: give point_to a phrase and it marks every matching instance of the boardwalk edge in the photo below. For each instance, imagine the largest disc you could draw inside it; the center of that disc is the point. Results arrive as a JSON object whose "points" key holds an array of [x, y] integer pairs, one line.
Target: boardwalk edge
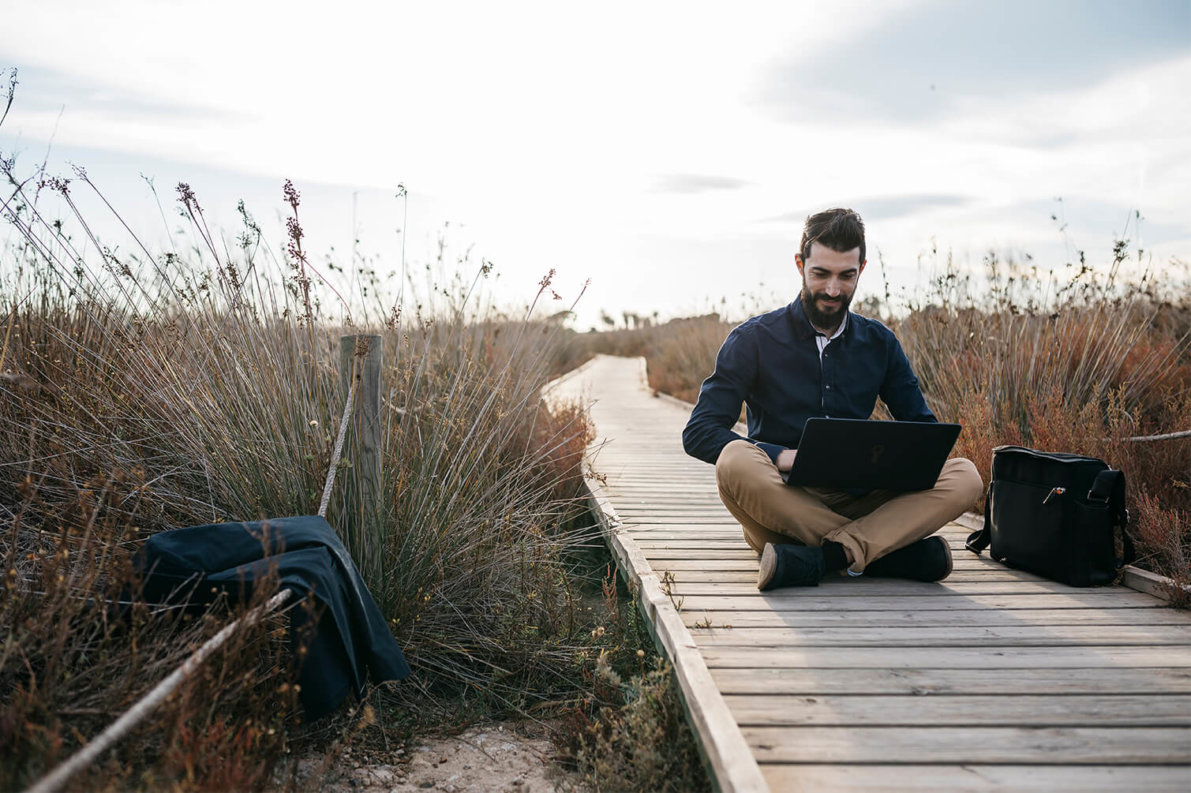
{"points": [[721, 742]]}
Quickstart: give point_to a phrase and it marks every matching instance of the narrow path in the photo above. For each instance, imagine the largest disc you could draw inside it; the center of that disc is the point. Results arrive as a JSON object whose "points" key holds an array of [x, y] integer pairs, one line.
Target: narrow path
{"points": [[993, 679]]}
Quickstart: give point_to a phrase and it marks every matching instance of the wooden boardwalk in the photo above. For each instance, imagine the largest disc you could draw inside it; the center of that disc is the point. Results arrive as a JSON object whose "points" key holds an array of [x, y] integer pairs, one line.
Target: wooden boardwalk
{"points": [[991, 680]]}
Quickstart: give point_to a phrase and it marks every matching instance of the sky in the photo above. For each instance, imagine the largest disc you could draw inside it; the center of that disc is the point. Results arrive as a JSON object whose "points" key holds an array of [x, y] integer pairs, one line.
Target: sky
{"points": [[666, 152]]}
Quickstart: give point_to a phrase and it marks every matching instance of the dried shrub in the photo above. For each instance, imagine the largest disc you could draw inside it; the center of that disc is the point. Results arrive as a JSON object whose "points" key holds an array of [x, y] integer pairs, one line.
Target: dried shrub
{"points": [[629, 732], [153, 391]]}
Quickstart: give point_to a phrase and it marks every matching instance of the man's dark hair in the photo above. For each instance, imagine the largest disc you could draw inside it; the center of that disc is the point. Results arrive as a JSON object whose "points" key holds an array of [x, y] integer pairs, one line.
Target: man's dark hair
{"points": [[839, 229]]}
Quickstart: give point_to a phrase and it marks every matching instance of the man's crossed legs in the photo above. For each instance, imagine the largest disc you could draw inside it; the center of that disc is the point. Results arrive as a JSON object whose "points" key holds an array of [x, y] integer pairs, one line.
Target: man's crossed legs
{"points": [[802, 531]]}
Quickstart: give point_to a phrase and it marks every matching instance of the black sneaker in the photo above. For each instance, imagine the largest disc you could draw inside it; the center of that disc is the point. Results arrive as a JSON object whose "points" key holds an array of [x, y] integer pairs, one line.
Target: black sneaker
{"points": [[928, 559], [789, 565]]}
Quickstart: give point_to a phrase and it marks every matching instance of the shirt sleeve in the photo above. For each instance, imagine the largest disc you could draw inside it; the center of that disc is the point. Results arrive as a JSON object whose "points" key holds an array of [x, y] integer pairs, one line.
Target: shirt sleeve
{"points": [[900, 392], [709, 429]]}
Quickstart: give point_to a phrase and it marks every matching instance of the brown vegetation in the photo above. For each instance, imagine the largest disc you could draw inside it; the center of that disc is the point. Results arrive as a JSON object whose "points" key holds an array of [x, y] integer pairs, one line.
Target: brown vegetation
{"points": [[1020, 358], [151, 391]]}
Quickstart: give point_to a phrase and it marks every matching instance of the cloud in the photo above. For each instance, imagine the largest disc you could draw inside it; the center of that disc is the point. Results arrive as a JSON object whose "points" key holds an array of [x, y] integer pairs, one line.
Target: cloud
{"points": [[933, 58], [884, 207], [695, 183], [890, 207], [51, 90]]}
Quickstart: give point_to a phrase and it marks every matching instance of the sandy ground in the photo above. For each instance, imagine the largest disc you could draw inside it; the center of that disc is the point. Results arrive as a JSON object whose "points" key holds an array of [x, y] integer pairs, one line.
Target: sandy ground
{"points": [[504, 758]]}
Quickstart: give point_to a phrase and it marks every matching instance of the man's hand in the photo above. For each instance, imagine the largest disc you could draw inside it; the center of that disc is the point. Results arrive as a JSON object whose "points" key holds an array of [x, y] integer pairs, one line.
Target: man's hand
{"points": [[785, 459]]}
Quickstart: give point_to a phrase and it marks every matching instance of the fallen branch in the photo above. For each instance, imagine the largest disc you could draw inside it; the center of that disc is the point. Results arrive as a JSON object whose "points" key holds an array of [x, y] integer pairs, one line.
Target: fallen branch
{"points": [[1163, 437]]}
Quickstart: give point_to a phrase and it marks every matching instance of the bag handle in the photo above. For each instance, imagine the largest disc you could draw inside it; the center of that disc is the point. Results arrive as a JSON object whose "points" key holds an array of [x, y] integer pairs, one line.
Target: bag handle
{"points": [[979, 540]]}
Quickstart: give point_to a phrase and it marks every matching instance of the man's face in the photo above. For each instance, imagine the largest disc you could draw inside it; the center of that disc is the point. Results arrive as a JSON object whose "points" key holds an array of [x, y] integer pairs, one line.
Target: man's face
{"points": [[828, 283]]}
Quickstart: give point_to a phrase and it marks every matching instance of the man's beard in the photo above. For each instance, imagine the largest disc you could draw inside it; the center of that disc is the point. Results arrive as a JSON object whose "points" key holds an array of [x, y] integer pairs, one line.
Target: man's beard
{"points": [[824, 320]]}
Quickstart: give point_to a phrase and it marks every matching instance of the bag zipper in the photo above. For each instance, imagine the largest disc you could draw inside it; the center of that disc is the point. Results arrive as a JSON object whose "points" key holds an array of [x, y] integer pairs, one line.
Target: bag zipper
{"points": [[1054, 491]]}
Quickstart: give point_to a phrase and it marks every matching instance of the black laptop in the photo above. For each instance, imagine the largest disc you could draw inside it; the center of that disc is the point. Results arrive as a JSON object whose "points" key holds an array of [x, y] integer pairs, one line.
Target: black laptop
{"points": [[872, 455]]}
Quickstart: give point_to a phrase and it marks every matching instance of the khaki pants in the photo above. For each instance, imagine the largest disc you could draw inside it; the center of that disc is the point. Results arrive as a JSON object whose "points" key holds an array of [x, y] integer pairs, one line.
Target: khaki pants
{"points": [[868, 526]]}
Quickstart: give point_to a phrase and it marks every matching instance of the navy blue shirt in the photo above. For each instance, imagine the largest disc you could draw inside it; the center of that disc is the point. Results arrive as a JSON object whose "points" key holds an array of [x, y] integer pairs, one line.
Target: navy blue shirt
{"points": [[771, 363]]}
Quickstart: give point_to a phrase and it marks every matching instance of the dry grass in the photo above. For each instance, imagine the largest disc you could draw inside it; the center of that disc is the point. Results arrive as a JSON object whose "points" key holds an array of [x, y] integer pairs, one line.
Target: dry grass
{"points": [[628, 732], [142, 390], [149, 391], [1075, 365]]}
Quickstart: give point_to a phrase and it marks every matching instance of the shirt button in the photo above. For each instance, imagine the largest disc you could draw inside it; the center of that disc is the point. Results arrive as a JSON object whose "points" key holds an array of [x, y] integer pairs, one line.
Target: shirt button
{"points": [[828, 388]]}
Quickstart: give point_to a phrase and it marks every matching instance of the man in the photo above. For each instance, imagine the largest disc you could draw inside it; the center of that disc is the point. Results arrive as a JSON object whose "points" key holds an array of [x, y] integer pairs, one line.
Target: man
{"points": [[815, 358]]}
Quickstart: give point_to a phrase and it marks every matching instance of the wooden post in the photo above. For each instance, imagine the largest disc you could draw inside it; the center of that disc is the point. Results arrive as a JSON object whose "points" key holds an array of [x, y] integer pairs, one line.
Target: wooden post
{"points": [[360, 357]]}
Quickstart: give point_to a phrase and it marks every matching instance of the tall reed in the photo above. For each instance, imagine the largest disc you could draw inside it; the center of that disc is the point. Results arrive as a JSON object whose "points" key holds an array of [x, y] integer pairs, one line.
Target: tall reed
{"points": [[144, 391]]}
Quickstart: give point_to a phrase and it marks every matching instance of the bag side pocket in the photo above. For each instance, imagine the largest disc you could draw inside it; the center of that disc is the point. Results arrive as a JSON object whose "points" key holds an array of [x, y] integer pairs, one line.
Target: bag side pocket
{"points": [[1091, 529]]}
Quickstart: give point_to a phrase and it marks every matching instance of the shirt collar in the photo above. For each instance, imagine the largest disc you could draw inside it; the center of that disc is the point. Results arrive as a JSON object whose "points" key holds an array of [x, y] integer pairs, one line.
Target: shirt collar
{"points": [[838, 331]]}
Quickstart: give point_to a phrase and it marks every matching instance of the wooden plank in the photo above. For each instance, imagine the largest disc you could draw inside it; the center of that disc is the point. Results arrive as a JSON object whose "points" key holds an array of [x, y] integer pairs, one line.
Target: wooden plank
{"points": [[975, 778], [947, 636], [804, 600], [695, 548], [735, 544], [1159, 586], [665, 500], [1002, 682], [681, 504], [721, 533], [664, 496], [983, 710], [1022, 658], [1054, 745], [750, 577], [747, 570], [697, 515], [676, 520], [665, 490], [678, 525], [872, 587], [746, 564], [728, 545], [921, 619]]}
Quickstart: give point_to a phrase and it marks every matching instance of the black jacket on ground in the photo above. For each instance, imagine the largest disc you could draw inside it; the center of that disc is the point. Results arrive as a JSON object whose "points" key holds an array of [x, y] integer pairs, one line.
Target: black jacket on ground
{"points": [[351, 639]]}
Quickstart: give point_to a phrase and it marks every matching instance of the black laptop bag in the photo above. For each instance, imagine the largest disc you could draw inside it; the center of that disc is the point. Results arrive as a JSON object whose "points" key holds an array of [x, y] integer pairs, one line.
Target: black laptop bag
{"points": [[1056, 515]]}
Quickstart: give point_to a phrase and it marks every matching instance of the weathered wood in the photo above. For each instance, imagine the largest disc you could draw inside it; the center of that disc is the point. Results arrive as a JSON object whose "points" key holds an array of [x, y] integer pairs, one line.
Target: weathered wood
{"points": [[1023, 658], [957, 618], [360, 359], [781, 601], [992, 679], [869, 587], [1153, 584], [1056, 745], [924, 681], [722, 531], [975, 778], [750, 576], [948, 636], [983, 710], [745, 561]]}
